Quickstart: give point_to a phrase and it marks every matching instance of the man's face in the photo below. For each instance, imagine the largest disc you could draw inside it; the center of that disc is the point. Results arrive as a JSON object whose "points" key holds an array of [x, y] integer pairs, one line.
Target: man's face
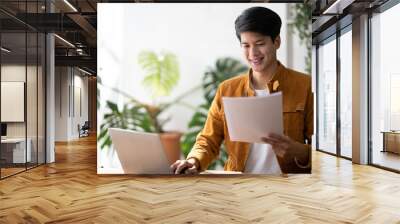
{"points": [[259, 50]]}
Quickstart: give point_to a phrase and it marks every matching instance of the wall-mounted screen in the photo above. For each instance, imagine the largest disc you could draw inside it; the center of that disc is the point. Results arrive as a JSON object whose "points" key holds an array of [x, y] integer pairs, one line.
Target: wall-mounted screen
{"points": [[12, 101]]}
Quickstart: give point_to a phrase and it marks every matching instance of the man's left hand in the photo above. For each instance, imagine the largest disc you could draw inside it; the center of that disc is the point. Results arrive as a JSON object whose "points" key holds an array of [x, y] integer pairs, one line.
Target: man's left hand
{"points": [[286, 148]]}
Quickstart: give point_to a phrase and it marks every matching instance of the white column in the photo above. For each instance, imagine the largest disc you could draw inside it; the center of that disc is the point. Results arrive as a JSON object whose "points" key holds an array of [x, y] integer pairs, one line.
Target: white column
{"points": [[360, 90], [50, 100], [50, 92]]}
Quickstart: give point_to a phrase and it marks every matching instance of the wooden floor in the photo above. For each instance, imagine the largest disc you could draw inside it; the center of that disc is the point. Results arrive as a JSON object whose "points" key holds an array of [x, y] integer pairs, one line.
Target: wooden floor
{"points": [[70, 191], [10, 171]]}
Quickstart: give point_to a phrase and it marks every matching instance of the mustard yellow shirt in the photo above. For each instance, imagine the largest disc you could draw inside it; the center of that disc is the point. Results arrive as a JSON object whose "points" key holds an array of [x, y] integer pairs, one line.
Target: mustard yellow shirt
{"points": [[297, 120]]}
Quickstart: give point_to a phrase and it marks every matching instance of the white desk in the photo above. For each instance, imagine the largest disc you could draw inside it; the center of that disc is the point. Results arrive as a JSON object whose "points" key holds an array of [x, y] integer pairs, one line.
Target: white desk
{"points": [[18, 150]]}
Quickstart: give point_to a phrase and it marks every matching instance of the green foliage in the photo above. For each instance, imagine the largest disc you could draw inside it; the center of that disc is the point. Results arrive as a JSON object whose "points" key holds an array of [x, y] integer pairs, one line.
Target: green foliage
{"points": [[131, 116], [225, 68], [162, 76], [162, 72], [302, 25]]}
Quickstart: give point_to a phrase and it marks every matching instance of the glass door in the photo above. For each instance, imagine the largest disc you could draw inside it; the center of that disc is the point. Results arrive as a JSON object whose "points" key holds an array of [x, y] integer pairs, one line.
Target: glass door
{"points": [[326, 95], [385, 89]]}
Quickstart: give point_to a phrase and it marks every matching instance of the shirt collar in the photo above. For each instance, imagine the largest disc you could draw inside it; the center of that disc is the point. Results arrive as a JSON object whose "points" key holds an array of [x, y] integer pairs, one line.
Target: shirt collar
{"points": [[274, 85]]}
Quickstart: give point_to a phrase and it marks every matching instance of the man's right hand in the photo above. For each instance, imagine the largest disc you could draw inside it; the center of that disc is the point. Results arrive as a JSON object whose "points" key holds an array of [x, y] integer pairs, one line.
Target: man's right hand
{"points": [[190, 166]]}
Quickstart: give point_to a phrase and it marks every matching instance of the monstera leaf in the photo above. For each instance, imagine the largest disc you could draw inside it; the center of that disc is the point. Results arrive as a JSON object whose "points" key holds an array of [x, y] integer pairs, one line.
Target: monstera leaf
{"points": [[224, 69], [162, 72], [162, 75]]}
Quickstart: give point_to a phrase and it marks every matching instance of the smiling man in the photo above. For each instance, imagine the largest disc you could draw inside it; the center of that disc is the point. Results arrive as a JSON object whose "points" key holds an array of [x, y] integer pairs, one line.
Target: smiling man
{"points": [[258, 29]]}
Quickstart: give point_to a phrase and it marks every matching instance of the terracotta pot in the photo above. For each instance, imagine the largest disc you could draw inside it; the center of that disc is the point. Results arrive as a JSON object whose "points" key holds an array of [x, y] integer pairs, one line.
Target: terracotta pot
{"points": [[172, 145]]}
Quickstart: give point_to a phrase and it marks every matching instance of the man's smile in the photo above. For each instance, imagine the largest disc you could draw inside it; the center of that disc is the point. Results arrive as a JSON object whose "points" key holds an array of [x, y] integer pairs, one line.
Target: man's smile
{"points": [[256, 61]]}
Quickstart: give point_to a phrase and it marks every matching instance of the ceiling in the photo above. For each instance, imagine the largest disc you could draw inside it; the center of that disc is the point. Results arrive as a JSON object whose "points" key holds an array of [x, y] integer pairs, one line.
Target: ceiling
{"points": [[74, 21], [328, 16]]}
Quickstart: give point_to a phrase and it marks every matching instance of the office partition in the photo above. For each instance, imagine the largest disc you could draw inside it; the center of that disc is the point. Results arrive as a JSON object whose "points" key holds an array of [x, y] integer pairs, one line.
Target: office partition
{"points": [[22, 77]]}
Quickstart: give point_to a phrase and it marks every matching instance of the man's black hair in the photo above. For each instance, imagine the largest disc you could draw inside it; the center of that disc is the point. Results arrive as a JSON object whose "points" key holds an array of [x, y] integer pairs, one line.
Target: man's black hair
{"points": [[259, 20]]}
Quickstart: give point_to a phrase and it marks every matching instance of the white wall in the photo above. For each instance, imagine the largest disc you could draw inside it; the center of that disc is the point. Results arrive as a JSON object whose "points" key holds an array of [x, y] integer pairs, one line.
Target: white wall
{"points": [[12, 73], [80, 103], [61, 103], [34, 124], [70, 83]]}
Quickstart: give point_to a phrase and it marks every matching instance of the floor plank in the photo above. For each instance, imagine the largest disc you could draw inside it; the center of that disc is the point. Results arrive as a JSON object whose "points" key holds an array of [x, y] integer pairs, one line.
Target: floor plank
{"points": [[70, 191]]}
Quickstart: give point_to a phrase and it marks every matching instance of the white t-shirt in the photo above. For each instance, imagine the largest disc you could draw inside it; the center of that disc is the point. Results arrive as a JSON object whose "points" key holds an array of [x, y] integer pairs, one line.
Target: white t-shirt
{"points": [[262, 159]]}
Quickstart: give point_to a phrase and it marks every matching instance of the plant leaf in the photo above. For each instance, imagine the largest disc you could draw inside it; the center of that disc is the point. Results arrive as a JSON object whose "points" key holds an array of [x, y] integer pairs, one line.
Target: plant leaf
{"points": [[162, 72]]}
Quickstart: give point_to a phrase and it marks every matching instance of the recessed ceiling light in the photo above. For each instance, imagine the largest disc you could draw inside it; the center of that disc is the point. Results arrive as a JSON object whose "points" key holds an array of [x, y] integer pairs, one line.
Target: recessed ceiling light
{"points": [[64, 40], [5, 50], [84, 71], [70, 5], [337, 7]]}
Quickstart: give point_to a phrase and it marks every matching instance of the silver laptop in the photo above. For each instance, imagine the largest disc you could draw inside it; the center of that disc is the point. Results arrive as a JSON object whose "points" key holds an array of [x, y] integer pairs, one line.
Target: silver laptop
{"points": [[139, 152]]}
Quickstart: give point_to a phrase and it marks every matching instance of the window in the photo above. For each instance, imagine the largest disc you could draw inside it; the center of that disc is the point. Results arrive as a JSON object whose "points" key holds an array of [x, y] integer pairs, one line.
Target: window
{"points": [[345, 93], [385, 89], [327, 96]]}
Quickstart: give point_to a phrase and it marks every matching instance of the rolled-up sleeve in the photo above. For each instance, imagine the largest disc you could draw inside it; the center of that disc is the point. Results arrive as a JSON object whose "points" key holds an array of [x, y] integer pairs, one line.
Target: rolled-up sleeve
{"points": [[209, 140]]}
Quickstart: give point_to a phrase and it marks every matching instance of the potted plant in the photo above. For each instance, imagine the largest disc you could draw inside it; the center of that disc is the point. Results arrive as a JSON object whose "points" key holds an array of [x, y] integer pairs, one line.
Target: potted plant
{"points": [[162, 75]]}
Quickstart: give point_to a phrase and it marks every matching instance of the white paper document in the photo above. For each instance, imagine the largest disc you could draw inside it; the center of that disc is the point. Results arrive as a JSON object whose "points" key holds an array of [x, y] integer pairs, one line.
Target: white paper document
{"points": [[251, 118]]}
